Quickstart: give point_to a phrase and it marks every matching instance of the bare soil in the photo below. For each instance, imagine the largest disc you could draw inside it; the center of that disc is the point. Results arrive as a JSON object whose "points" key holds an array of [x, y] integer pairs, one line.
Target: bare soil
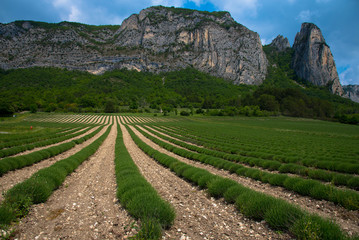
{"points": [[198, 215], [11, 178], [348, 220], [85, 207]]}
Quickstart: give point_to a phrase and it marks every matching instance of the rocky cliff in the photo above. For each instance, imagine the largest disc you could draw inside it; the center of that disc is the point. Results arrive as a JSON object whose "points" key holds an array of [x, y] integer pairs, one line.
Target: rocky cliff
{"points": [[157, 39], [313, 60], [351, 92], [280, 43]]}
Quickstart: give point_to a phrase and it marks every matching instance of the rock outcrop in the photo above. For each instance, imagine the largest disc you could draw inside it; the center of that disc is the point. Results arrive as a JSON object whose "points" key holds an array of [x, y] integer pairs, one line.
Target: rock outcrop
{"points": [[351, 92], [280, 43], [313, 60], [157, 39]]}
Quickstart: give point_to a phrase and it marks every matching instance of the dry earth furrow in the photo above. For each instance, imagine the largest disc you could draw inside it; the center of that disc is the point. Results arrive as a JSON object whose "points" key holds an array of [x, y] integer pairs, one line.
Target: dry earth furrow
{"points": [[198, 217], [84, 207], [11, 178], [348, 220]]}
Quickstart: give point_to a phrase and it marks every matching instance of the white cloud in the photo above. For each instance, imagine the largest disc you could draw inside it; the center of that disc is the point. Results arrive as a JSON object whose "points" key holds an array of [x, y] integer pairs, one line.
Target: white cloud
{"points": [[266, 41], [349, 75], [239, 8], [304, 15], [197, 2], [68, 10], [168, 3], [307, 15], [345, 76]]}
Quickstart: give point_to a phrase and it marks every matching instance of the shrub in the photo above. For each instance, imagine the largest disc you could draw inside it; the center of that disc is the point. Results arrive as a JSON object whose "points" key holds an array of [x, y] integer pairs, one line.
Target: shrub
{"points": [[314, 227], [277, 179], [290, 182], [184, 113], [304, 186], [282, 215], [150, 229], [292, 168], [320, 174], [254, 204], [6, 215], [321, 192], [232, 193], [341, 179], [354, 183], [217, 187]]}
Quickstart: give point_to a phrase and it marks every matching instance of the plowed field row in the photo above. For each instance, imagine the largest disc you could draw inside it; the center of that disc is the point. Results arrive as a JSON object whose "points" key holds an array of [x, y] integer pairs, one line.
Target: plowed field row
{"points": [[123, 178]]}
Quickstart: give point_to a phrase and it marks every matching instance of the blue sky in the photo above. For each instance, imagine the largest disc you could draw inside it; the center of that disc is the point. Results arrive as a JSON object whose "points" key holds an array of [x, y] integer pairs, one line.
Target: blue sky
{"points": [[338, 19]]}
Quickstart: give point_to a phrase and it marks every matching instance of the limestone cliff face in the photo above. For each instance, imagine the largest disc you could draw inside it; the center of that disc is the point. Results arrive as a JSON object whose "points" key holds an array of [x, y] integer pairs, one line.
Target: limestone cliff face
{"points": [[313, 59], [351, 92], [280, 43], [157, 39]]}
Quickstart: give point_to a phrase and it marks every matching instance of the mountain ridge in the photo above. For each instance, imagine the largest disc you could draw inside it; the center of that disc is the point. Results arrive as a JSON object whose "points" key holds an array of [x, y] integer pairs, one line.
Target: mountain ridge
{"points": [[157, 39], [162, 39]]}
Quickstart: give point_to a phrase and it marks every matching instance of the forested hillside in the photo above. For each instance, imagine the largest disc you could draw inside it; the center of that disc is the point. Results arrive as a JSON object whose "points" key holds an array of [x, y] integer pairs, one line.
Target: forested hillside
{"points": [[53, 89]]}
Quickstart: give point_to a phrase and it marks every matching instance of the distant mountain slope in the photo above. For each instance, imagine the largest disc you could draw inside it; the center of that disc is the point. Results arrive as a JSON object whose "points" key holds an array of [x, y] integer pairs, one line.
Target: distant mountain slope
{"points": [[351, 92], [157, 39]]}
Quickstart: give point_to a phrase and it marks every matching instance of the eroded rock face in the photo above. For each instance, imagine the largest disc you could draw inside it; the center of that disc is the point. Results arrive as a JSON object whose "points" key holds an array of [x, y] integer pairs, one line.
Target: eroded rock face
{"points": [[157, 39], [313, 59], [280, 43], [351, 92]]}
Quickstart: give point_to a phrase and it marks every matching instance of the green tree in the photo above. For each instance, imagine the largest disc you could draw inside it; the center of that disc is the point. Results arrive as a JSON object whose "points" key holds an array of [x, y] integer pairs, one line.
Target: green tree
{"points": [[33, 108], [110, 106], [268, 102]]}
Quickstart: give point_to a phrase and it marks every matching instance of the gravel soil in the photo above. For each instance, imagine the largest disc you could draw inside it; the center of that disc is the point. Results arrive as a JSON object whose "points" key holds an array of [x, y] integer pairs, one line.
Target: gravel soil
{"points": [[348, 220], [11, 178], [198, 215], [85, 206]]}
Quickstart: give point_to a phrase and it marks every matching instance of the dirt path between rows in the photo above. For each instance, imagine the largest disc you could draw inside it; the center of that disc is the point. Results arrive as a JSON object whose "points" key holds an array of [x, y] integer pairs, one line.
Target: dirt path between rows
{"points": [[197, 215], [348, 220], [85, 206], [11, 178]]}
